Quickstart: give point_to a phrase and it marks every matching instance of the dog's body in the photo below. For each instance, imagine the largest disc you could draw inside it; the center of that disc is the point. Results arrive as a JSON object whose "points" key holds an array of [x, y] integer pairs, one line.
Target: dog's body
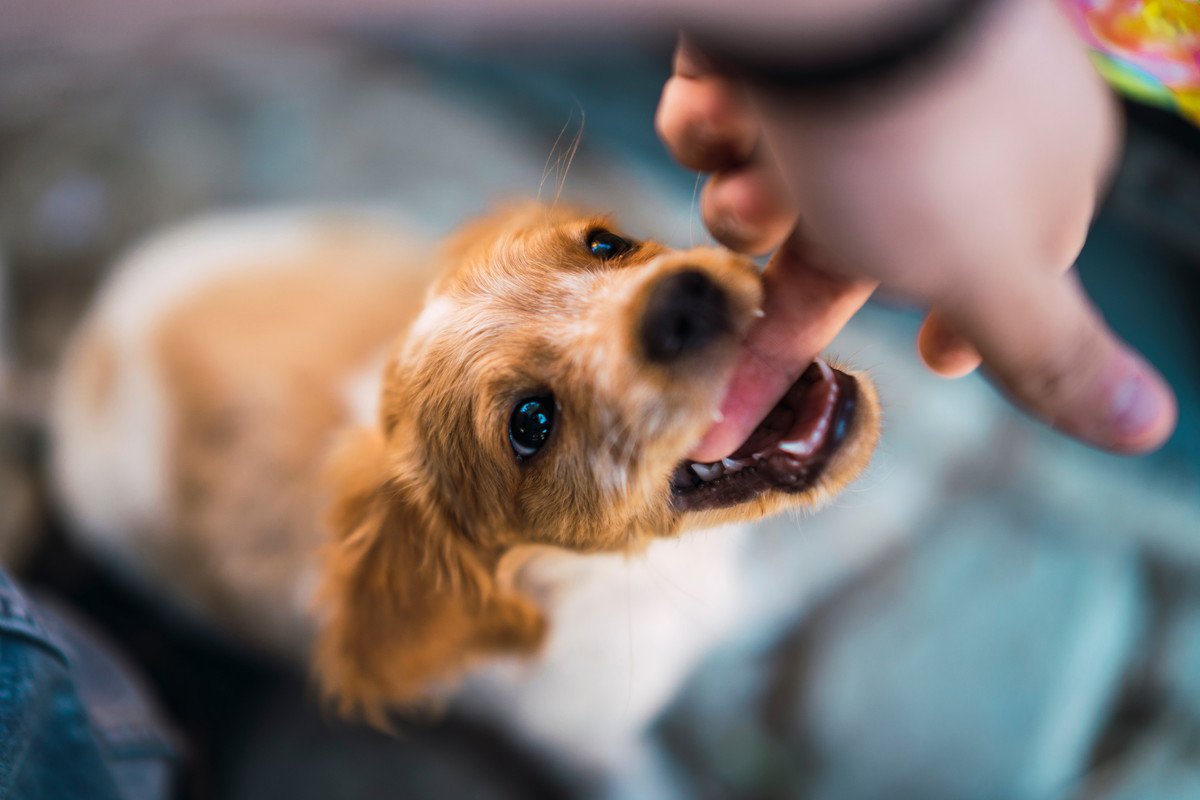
{"points": [[226, 361], [201, 392]]}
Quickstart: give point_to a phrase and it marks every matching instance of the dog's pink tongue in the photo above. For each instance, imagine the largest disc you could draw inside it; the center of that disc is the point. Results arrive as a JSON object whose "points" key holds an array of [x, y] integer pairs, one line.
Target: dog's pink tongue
{"points": [[799, 424]]}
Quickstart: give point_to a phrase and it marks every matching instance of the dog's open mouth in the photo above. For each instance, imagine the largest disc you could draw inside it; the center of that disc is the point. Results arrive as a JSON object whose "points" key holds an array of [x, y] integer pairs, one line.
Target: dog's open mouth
{"points": [[786, 452]]}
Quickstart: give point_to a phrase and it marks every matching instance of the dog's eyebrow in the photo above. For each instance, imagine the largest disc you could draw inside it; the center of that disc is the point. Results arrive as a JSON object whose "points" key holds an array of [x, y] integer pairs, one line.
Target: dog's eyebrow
{"points": [[435, 313]]}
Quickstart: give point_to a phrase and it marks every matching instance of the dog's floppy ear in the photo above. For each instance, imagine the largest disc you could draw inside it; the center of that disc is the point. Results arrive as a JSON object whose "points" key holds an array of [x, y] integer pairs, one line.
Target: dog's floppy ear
{"points": [[406, 601]]}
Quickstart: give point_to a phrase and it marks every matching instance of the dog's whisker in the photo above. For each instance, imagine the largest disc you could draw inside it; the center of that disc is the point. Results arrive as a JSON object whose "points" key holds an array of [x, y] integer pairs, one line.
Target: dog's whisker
{"points": [[571, 151], [629, 641], [550, 156], [667, 580]]}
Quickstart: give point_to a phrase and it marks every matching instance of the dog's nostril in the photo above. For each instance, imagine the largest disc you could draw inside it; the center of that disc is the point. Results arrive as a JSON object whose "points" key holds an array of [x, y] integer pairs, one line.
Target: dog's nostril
{"points": [[685, 311]]}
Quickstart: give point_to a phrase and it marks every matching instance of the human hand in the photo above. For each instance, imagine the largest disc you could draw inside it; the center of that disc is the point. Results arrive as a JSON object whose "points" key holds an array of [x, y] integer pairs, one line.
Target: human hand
{"points": [[970, 193]]}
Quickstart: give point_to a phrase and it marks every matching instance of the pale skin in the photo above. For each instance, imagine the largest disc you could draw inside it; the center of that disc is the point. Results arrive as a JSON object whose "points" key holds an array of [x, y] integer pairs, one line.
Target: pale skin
{"points": [[968, 191]]}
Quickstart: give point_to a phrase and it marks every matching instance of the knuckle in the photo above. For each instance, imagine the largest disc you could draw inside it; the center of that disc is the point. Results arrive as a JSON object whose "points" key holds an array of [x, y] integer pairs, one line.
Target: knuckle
{"points": [[740, 217], [701, 127], [661, 124], [669, 109], [1058, 381]]}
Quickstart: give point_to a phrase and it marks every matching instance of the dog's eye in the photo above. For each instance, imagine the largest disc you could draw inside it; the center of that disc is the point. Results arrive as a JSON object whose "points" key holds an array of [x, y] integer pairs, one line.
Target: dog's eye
{"points": [[530, 425], [606, 244]]}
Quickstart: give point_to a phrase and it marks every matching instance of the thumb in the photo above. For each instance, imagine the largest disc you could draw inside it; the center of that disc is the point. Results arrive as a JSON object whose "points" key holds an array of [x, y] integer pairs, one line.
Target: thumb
{"points": [[1046, 346]]}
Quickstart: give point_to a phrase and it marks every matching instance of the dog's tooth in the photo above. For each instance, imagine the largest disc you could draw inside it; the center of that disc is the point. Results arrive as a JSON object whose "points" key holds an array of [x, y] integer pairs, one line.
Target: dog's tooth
{"points": [[709, 472], [733, 465], [826, 370], [759, 313], [717, 416], [810, 444]]}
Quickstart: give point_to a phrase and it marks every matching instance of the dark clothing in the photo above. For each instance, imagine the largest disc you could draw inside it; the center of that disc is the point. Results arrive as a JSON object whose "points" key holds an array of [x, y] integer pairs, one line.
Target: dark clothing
{"points": [[74, 722]]}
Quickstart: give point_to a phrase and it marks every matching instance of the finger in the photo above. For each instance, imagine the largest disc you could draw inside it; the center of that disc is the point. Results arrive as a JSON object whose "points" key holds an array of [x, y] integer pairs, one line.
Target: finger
{"points": [[1059, 360], [944, 350], [748, 209], [804, 308], [706, 123]]}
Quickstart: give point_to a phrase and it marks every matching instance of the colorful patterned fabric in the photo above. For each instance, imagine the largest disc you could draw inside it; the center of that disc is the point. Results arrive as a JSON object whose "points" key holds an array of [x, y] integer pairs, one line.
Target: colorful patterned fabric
{"points": [[1147, 49]]}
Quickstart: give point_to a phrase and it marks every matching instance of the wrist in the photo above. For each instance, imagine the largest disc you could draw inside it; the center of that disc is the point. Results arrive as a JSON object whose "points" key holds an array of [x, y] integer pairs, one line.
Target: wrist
{"points": [[861, 47], [1021, 66]]}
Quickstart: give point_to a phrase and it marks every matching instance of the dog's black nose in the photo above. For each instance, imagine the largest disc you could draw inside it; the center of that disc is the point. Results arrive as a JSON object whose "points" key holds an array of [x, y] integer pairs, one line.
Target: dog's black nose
{"points": [[684, 312]]}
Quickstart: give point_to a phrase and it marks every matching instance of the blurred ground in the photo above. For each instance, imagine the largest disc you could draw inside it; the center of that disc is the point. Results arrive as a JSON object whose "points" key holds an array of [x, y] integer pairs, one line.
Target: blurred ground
{"points": [[993, 611]]}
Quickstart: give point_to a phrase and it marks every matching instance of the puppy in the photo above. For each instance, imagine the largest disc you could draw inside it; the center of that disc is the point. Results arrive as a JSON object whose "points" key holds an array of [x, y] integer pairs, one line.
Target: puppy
{"points": [[442, 477]]}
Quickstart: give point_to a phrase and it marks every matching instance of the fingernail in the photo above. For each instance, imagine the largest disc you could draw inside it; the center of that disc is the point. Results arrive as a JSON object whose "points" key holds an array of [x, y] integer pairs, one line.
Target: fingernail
{"points": [[1137, 406]]}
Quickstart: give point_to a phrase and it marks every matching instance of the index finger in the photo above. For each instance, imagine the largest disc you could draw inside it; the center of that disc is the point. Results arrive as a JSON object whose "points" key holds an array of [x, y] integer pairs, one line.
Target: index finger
{"points": [[804, 307]]}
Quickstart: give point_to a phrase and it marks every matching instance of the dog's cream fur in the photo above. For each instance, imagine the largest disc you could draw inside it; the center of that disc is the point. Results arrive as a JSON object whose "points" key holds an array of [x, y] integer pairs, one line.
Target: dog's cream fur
{"points": [[293, 426]]}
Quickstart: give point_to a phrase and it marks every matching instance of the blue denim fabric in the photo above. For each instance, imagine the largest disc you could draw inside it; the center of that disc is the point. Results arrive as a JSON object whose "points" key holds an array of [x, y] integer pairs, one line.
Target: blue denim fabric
{"points": [[73, 725]]}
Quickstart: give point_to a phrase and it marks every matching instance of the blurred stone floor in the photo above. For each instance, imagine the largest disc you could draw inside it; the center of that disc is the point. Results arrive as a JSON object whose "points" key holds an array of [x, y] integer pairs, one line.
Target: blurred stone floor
{"points": [[992, 612]]}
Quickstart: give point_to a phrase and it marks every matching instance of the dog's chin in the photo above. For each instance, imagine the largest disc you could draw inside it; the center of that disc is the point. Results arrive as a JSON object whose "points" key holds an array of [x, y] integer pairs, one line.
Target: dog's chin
{"points": [[815, 439]]}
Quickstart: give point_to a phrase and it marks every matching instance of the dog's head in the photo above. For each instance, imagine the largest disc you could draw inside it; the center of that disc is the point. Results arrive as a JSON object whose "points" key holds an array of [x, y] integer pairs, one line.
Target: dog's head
{"points": [[549, 394]]}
